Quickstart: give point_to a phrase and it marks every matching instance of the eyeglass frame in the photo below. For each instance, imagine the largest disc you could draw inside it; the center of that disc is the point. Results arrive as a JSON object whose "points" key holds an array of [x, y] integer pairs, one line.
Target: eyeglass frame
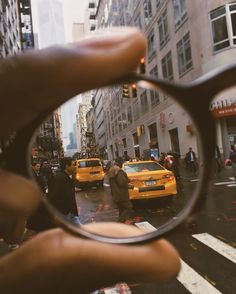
{"points": [[195, 97]]}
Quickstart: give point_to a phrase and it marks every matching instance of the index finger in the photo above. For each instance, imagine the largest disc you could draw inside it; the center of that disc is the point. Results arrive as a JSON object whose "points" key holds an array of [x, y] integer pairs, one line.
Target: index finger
{"points": [[41, 80]]}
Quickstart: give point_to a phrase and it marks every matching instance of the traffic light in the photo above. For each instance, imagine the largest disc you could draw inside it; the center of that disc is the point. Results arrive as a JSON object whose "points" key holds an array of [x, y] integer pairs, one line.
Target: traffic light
{"points": [[134, 90], [142, 66], [126, 93]]}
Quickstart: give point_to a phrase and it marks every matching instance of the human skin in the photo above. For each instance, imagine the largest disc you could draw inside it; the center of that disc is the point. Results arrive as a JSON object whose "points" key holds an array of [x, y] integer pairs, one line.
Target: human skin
{"points": [[55, 261]]}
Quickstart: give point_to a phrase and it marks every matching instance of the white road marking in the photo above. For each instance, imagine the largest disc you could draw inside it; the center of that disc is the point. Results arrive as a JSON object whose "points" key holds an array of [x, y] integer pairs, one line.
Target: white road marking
{"points": [[224, 183], [106, 185], [195, 180], [146, 226], [194, 282], [222, 248], [232, 185], [187, 276], [231, 178]]}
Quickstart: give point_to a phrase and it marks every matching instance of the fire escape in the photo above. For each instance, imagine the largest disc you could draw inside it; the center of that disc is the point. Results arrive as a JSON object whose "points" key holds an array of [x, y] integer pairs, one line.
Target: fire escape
{"points": [[26, 29], [83, 109]]}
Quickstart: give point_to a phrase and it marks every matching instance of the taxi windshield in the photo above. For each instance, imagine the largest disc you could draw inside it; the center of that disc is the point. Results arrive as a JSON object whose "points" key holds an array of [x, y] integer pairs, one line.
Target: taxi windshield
{"points": [[142, 167]]}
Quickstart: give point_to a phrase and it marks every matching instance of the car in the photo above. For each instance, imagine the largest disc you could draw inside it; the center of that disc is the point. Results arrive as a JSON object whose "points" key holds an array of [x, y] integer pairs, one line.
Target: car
{"points": [[89, 171], [149, 179]]}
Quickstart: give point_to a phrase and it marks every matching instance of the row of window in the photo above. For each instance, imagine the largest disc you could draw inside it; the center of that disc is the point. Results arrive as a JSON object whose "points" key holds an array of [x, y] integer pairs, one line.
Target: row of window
{"points": [[180, 12], [180, 15], [185, 64], [223, 25]]}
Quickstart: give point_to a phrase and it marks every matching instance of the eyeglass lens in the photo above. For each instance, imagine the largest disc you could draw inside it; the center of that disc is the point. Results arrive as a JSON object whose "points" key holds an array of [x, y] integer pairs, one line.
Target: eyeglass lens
{"points": [[137, 157]]}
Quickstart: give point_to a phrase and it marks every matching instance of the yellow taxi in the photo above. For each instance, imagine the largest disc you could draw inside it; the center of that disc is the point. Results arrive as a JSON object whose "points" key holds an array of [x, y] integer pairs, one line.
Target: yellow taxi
{"points": [[148, 179], [89, 171]]}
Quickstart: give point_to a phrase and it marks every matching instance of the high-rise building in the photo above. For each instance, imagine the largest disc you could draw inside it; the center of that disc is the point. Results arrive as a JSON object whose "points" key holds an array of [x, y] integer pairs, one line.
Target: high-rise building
{"points": [[186, 39], [50, 22]]}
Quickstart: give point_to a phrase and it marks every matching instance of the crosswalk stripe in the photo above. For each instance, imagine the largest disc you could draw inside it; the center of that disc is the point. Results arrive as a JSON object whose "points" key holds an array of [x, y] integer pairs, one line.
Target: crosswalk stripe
{"points": [[217, 245], [231, 185], [187, 276], [194, 282], [145, 226], [224, 183]]}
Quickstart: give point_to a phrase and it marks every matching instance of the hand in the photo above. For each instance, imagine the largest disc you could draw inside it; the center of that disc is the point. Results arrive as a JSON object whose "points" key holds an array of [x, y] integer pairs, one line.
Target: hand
{"points": [[54, 261]]}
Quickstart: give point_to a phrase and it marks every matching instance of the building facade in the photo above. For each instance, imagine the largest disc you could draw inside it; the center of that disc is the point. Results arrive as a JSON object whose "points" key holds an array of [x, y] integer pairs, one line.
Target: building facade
{"points": [[186, 39], [15, 33]]}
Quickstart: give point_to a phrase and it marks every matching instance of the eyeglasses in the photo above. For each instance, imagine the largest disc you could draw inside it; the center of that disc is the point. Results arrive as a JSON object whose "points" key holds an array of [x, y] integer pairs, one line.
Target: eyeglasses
{"points": [[188, 112]]}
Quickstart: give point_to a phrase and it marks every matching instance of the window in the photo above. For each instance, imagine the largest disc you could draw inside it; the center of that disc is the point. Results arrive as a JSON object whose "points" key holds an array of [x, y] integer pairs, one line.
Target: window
{"points": [[180, 12], [151, 46], [111, 112], [163, 29], [112, 129], [147, 8], [154, 72], [144, 102], [129, 115], [154, 94], [124, 120], [167, 69], [89, 163], [155, 98], [138, 22], [136, 110], [184, 54], [120, 123], [116, 127], [158, 2], [223, 26], [124, 143]]}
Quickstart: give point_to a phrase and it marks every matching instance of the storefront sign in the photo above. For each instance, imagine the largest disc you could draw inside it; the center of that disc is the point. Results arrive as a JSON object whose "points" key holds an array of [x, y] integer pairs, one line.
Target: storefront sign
{"points": [[226, 111], [223, 103]]}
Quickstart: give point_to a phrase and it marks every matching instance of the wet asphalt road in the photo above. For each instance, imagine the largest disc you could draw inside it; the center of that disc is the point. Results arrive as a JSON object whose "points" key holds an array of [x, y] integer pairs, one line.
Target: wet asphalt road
{"points": [[207, 268]]}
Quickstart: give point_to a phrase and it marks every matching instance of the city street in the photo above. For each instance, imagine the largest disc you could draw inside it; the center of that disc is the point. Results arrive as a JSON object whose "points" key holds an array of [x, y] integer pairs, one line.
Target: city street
{"points": [[207, 245]]}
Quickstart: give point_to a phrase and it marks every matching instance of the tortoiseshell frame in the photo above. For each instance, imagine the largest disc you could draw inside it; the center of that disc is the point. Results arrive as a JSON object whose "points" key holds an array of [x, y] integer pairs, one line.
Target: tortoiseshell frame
{"points": [[195, 97]]}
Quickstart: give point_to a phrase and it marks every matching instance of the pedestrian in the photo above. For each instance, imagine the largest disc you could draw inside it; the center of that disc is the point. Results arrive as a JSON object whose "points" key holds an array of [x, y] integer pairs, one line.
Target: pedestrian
{"points": [[38, 176], [191, 161], [46, 171], [162, 157], [175, 164], [119, 184], [232, 157], [218, 161], [56, 261], [61, 190]]}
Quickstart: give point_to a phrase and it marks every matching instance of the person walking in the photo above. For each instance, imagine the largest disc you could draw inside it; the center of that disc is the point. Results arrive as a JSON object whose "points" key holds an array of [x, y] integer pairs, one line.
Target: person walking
{"points": [[218, 161], [46, 171], [61, 190], [232, 157], [38, 176], [119, 184], [191, 161]]}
